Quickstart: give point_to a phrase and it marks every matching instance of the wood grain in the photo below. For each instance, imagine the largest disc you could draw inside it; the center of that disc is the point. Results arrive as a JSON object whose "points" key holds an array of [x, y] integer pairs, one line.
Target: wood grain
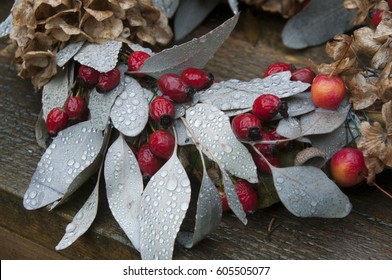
{"points": [[365, 234]]}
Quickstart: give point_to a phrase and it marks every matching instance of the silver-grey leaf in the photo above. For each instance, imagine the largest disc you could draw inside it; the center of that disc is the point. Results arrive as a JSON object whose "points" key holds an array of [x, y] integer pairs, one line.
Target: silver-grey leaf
{"points": [[67, 163], [82, 220], [317, 23], [55, 92], [137, 47], [165, 201], [235, 94], [298, 105], [5, 26], [101, 57], [100, 104], [190, 14], [213, 131], [65, 54], [41, 132], [320, 121], [169, 7], [232, 197], [195, 53], [208, 213], [124, 187], [234, 6], [129, 113], [182, 133], [307, 192]]}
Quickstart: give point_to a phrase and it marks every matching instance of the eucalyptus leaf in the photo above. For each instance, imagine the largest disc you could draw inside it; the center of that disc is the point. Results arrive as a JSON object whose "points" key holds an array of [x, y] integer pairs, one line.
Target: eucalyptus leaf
{"points": [[190, 14], [165, 201], [67, 163], [100, 105], [320, 121], [234, 6], [213, 131], [41, 132], [298, 105], [124, 187], [169, 7], [208, 213], [195, 53], [232, 197], [235, 94], [55, 92], [82, 220], [5, 26], [182, 133], [65, 54], [129, 113], [101, 57], [307, 192], [317, 23]]}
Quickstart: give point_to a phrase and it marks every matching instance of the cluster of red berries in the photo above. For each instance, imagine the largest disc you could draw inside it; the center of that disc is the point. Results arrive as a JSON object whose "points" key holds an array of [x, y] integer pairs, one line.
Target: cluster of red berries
{"points": [[103, 82], [75, 109], [377, 14]]}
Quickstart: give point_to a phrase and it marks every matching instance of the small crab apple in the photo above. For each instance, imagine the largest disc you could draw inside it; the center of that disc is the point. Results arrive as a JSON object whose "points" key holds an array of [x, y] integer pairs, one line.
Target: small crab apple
{"points": [[161, 143], [76, 108], [304, 74], [348, 167], [136, 61], [246, 127], [327, 92], [56, 120], [162, 111], [197, 78], [87, 76], [276, 68], [267, 106], [148, 162], [173, 86], [108, 80], [247, 195]]}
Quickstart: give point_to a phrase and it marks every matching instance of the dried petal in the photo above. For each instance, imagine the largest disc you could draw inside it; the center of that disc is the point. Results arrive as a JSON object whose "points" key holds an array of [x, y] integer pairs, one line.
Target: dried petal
{"points": [[363, 90]]}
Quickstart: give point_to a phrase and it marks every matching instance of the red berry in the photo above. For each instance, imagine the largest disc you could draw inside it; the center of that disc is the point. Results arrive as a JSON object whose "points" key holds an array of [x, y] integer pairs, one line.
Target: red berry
{"points": [[246, 127], [162, 111], [161, 143], [175, 88], [266, 106], [197, 78], [266, 149], [262, 165], [149, 163], [108, 80], [305, 75], [273, 135], [76, 108], [376, 17], [56, 120], [247, 196], [136, 61], [348, 167], [276, 68], [87, 76]]}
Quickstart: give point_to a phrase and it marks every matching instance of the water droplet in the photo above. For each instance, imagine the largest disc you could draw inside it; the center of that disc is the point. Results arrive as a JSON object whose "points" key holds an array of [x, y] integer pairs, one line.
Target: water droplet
{"points": [[70, 162], [227, 149], [280, 180], [32, 194], [171, 184], [313, 203], [164, 173], [70, 228], [185, 182], [184, 206], [147, 198]]}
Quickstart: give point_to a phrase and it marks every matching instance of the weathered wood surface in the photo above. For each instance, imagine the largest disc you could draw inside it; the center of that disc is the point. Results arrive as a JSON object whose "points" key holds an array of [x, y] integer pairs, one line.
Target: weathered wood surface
{"points": [[365, 234]]}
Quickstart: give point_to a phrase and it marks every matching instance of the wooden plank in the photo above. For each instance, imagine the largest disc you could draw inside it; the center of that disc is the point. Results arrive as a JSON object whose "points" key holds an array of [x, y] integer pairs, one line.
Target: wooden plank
{"points": [[365, 233]]}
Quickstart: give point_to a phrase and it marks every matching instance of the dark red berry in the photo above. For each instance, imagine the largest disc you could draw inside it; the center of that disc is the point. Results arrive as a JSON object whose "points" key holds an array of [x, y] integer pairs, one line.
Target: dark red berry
{"points": [[136, 61], [108, 80], [162, 111], [390, 5], [246, 127], [273, 135], [76, 108], [161, 143], [276, 68], [247, 196], [87, 76], [262, 165], [266, 149], [149, 163], [266, 106], [197, 78], [376, 17], [305, 75], [56, 120], [175, 88]]}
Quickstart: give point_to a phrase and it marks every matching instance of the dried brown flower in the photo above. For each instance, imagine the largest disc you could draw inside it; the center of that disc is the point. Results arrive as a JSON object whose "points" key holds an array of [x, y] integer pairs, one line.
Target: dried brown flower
{"points": [[286, 8]]}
